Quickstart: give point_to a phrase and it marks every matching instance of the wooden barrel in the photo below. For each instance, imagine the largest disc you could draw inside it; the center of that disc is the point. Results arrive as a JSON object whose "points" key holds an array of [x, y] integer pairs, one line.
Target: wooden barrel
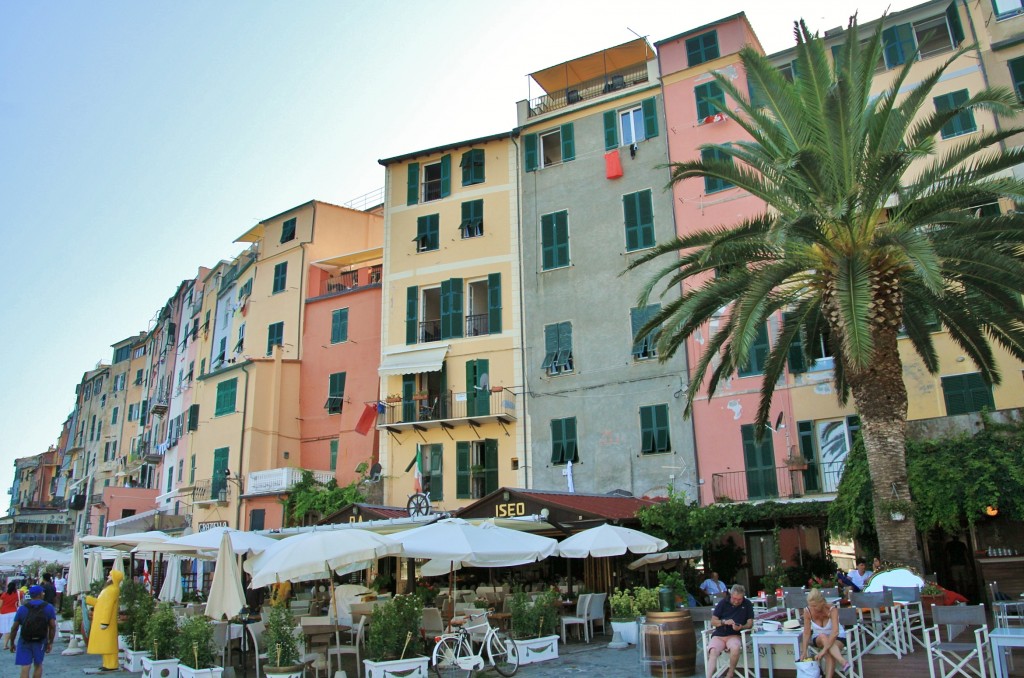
{"points": [[680, 642]]}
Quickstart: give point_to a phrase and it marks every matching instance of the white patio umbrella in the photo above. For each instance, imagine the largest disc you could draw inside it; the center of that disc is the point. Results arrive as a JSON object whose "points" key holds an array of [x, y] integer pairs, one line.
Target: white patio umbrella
{"points": [[665, 556], [77, 579], [171, 591], [437, 568], [118, 563], [317, 554], [94, 568], [126, 542], [226, 595], [609, 540], [484, 545], [24, 556], [209, 541]]}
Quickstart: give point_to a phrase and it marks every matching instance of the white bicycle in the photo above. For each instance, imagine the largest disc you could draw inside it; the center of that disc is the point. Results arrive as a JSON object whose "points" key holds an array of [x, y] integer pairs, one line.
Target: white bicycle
{"points": [[454, 656]]}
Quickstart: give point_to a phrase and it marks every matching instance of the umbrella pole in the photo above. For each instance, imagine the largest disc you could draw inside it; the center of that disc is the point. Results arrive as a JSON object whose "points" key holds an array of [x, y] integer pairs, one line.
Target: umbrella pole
{"points": [[332, 606]]}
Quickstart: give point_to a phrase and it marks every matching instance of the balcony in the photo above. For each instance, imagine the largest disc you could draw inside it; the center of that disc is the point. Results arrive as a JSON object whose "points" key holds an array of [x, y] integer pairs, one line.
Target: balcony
{"points": [[96, 499], [211, 491], [448, 410], [589, 89], [348, 281], [280, 480], [29, 538], [780, 482], [148, 452]]}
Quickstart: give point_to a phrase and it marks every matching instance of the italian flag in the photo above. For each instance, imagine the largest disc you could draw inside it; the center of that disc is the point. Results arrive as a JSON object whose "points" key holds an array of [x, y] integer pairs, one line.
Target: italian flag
{"points": [[417, 479]]}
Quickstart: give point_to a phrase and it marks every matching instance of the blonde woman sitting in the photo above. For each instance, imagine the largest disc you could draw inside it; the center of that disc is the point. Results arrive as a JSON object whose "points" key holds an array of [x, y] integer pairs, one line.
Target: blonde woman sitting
{"points": [[822, 627]]}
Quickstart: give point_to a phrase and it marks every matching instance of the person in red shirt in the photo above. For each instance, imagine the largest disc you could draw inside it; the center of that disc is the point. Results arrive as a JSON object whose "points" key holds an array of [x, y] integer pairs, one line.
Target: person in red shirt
{"points": [[9, 602]]}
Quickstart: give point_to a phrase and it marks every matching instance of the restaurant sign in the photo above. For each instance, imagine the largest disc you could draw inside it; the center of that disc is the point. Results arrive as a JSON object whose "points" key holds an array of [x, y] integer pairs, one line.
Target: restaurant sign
{"points": [[210, 524]]}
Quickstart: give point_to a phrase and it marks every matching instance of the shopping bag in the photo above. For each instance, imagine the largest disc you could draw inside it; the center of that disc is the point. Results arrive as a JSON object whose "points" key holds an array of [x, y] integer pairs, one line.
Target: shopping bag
{"points": [[808, 669]]}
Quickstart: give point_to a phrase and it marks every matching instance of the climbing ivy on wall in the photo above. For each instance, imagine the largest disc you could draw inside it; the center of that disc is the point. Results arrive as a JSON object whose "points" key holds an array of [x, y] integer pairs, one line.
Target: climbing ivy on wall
{"points": [[311, 499]]}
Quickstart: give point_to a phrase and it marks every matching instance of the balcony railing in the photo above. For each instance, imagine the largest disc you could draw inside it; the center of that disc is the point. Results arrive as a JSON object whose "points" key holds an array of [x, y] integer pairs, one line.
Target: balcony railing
{"points": [[477, 325], [209, 490], [575, 93], [346, 281], [780, 482], [430, 330], [448, 408], [96, 498], [278, 480], [36, 538]]}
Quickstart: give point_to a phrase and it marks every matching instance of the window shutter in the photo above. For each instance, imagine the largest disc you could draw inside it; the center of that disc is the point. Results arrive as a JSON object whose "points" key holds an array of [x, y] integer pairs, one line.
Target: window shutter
{"points": [[568, 143], [796, 361], [478, 166], [650, 111], [193, 417], [646, 429], [611, 130], [257, 519], [490, 465], [446, 175], [547, 239], [336, 386], [899, 44], [462, 480], [412, 188], [630, 210], [754, 484], [557, 441], [645, 218], [956, 29], [561, 238], [334, 454], [550, 345], [637, 318], [411, 314], [339, 325], [446, 305], [569, 437], [219, 480], [467, 168], [1017, 74], [494, 303], [530, 152], [954, 391], [408, 404], [661, 428], [457, 322], [436, 472], [805, 431], [757, 353], [564, 342]]}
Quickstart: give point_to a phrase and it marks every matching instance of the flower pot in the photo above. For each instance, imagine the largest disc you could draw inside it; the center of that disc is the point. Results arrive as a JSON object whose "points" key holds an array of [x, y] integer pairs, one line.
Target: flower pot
{"points": [[159, 668], [497, 389], [533, 650], [627, 630], [413, 667], [133, 660], [422, 396], [928, 600], [284, 671], [189, 672]]}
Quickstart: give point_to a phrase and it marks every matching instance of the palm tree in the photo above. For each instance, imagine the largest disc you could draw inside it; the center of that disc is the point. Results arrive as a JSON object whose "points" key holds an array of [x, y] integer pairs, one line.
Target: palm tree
{"points": [[868, 227]]}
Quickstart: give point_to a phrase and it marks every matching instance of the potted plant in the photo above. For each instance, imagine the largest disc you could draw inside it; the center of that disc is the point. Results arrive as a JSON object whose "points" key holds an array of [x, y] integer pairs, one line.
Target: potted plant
{"points": [[137, 605], [932, 594], [393, 398], [535, 626], [161, 629], [391, 647], [284, 657], [194, 648], [796, 462], [772, 582], [422, 394], [674, 581], [624, 615]]}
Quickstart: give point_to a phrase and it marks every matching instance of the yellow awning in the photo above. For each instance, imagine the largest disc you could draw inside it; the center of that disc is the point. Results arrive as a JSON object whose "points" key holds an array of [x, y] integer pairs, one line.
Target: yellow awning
{"points": [[413, 361], [594, 65]]}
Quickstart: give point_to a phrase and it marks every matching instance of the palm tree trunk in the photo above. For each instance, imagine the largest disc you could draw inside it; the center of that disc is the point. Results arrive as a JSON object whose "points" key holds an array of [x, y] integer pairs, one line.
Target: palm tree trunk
{"points": [[881, 399]]}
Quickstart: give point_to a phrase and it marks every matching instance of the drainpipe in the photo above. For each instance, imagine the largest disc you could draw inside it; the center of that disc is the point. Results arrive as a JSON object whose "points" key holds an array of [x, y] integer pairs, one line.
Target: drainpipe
{"points": [[241, 448], [981, 64], [302, 287], [522, 321]]}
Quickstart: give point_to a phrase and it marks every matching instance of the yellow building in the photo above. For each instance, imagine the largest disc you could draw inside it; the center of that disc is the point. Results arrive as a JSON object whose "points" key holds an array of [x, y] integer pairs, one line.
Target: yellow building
{"points": [[451, 367]]}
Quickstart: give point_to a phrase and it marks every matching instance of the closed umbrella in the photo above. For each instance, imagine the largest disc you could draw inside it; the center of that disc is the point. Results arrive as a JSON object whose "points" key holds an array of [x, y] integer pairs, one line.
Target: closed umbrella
{"points": [[318, 554], [78, 582], [94, 568], [609, 540], [226, 595], [171, 591], [118, 563], [666, 556]]}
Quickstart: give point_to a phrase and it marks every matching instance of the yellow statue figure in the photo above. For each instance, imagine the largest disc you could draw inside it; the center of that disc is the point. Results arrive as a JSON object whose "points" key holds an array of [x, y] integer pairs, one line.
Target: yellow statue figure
{"points": [[103, 636]]}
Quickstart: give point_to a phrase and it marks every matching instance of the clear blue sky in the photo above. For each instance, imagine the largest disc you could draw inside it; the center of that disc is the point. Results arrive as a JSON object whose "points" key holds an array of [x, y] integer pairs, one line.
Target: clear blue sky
{"points": [[139, 139]]}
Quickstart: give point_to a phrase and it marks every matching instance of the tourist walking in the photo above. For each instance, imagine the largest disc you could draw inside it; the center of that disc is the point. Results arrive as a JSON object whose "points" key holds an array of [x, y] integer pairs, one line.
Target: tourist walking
{"points": [[37, 622]]}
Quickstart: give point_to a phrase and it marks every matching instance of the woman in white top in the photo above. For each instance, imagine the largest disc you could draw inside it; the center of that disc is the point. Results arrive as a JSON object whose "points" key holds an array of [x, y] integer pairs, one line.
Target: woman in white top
{"points": [[822, 627]]}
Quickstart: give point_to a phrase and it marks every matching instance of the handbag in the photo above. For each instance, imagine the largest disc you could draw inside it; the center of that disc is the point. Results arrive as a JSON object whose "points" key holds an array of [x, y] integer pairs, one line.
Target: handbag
{"points": [[808, 669]]}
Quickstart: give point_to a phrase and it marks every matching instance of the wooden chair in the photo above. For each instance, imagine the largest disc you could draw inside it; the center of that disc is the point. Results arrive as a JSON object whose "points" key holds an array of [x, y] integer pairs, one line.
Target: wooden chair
{"points": [[581, 617], [953, 656]]}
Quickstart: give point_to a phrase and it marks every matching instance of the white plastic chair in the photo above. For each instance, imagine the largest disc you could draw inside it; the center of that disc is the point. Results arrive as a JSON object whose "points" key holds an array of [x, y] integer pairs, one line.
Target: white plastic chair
{"points": [[342, 649], [581, 617], [952, 657], [852, 650], [744, 668], [255, 630], [881, 628], [596, 613], [909, 598]]}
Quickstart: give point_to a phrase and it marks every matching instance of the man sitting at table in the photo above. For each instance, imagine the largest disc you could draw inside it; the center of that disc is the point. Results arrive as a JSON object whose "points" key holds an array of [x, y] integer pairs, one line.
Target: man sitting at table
{"points": [[860, 576], [711, 586], [730, 618]]}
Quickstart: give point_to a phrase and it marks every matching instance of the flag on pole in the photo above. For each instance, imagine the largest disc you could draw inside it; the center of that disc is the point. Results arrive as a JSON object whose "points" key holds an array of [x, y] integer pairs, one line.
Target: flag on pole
{"points": [[417, 482], [367, 419], [145, 576]]}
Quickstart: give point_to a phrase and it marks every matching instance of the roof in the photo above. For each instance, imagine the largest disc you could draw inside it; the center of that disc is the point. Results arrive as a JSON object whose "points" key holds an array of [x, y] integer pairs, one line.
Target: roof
{"points": [[446, 147], [611, 507], [591, 66], [699, 29]]}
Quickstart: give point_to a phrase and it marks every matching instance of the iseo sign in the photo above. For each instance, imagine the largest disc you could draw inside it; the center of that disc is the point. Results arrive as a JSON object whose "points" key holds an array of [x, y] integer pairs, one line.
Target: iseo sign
{"points": [[510, 509]]}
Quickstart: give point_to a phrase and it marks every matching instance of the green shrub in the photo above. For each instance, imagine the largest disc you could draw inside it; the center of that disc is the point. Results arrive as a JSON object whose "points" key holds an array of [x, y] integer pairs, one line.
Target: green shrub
{"points": [[194, 643], [536, 620], [396, 628], [279, 637], [161, 630], [674, 581], [138, 605]]}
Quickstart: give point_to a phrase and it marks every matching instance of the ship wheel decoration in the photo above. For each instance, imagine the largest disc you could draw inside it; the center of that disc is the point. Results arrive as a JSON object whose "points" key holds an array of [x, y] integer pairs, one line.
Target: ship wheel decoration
{"points": [[418, 505]]}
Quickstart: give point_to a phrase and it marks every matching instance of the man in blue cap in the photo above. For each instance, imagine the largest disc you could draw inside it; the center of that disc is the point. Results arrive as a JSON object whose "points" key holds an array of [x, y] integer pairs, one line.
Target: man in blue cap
{"points": [[37, 621]]}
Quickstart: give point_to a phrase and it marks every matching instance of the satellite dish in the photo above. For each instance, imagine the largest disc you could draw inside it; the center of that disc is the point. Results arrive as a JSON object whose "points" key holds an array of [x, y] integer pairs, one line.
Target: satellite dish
{"points": [[375, 473], [484, 382]]}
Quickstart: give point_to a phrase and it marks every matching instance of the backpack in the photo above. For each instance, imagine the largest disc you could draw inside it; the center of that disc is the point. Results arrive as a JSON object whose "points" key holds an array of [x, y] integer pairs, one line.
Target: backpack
{"points": [[36, 627]]}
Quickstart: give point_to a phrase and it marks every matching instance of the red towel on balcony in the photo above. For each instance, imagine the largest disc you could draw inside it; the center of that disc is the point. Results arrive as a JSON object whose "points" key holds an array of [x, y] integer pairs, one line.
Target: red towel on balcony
{"points": [[612, 164], [366, 419]]}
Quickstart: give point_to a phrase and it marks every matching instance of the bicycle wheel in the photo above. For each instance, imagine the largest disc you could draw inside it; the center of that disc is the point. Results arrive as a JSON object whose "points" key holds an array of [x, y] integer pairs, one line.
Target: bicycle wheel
{"points": [[445, 658], [503, 653]]}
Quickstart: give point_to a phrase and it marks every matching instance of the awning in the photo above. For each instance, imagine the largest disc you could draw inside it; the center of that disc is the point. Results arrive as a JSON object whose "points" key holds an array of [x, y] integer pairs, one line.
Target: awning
{"points": [[594, 65], [413, 361]]}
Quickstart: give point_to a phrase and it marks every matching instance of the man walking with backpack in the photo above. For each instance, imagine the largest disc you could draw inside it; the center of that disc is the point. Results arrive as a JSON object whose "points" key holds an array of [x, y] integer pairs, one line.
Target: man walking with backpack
{"points": [[37, 621]]}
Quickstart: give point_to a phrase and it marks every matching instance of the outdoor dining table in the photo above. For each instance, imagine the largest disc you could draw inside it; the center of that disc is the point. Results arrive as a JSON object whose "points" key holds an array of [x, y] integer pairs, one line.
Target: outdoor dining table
{"points": [[1004, 639], [768, 639]]}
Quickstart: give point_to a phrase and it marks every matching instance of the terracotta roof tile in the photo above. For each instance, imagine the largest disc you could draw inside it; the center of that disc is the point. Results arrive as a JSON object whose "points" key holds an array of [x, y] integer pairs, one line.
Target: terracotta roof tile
{"points": [[599, 505]]}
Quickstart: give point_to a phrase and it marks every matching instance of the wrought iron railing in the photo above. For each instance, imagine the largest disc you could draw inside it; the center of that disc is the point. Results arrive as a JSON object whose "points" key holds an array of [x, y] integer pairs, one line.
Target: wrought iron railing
{"points": [[216, 489], [346, 281], [477, 325], [575, 93], [430, 330], [777, 482], [449, 406]]}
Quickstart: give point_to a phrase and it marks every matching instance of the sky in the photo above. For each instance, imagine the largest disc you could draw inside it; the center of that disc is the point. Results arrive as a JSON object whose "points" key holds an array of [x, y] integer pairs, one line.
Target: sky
{"points": [[139, 139]]}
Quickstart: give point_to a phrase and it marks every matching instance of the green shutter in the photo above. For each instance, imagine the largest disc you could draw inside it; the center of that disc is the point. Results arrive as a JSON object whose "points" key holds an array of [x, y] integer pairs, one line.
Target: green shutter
{"points": [[611, 130], [650, 111], [550, 345], [561, 233], [219, 481], [564, 343], [1017, 74], [759, 459], [757, 354], [530, 152], [645, 218], [334, 454], [339, 325], [547, 241], [956, 29], [226, 397], [280, 276], [478, 400], [408, 404], [795, 359], [456, 308], [490, 465], [463, 486], [193, 417], [646, 429], [569, 433], [966, 393], [412, 298], [494, 303], [557, 441], [412, 187], [568, 143], [446, 316], [805, 432], [446, 175], [662, 439], [467, 167], [630, 210], [336, 386], [436, 472], [899, 44]]}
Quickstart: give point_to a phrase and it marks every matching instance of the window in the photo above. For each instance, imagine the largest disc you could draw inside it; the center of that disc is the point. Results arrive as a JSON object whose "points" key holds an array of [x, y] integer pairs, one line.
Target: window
{"points": [[192, 471], [138, 377], [715, 184], [181, 469], [221, 353], [139, 352], [280, 277], [638, 211], [412, 300], [643, 347], [245, 290], [226, 397], [1007, 8], [476, 468], [759, 460], [335, 393], [339, 325], [193, 417], [824, 445], [558, 348], [1017, 76], [113, 416], [549, 148], [133, 411], [288, 231], [202, 366], [427, 233], [962, 122], [966, 393], [554, 240], [483, 306], [635, 124], [564, 447], [757, 355], [933, 37], [241, 338], [275, 336], [472, 225], [257, 519], [334, 454], [898, 44], [701, 48], [120, 381], [431, 467], [710, 99], [654, 430], [219, 481], [451, 309], [478, 391], [472, 165], [122, 354]]}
